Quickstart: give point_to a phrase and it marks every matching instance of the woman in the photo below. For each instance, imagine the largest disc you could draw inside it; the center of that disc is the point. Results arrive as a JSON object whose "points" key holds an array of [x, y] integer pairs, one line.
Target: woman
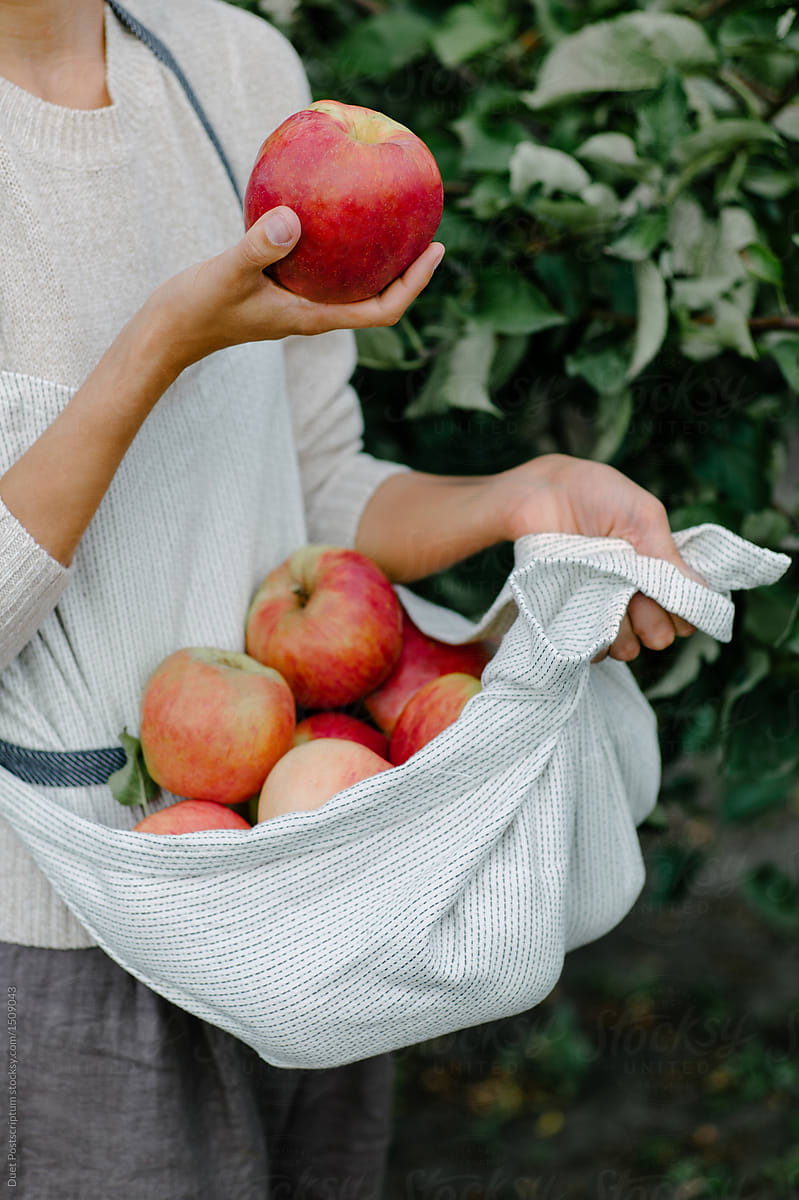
{"points": [[173, 425]]}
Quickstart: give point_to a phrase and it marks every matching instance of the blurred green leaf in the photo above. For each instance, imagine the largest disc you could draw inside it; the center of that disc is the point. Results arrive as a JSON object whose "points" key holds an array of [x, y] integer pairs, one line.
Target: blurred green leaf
{"points": [[663, 119], [641, 237], [459, 378], [720, 139], [773, 895], [785, 353], [653, 316], [693, 652], [628, 53], [762, 263], [380, 349], [381, 44], [616, 151], [554, 170], [506, 302], [466, 31]]}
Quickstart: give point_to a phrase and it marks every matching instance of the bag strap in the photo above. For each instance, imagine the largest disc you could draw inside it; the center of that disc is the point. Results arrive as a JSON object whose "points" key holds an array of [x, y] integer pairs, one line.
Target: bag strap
{"points": [[87, 768], [165, 55]]}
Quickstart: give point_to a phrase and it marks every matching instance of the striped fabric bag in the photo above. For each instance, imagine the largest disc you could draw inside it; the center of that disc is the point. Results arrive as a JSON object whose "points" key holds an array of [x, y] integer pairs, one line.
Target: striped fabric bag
{"points": [[443, 893]]}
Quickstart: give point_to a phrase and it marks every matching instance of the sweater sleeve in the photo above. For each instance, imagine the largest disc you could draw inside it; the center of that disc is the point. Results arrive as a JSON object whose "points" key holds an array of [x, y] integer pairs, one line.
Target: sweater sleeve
{"points": [[32, 583], [338, 476]]}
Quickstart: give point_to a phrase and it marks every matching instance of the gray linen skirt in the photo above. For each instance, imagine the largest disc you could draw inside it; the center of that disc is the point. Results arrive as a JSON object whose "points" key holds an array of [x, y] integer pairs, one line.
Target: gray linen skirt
{"points": [[121, 1095]]}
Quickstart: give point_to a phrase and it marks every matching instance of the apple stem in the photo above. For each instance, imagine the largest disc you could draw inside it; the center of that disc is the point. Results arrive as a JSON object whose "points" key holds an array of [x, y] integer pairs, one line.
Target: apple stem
{"points": [[300, 592]]}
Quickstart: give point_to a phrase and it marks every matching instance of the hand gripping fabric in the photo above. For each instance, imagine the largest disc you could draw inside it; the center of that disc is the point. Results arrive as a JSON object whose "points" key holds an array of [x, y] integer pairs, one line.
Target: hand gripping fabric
{"points": [[440, 894]]}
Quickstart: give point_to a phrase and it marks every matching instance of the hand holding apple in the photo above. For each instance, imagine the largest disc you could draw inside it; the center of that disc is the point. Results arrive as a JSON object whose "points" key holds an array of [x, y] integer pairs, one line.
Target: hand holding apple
{"points": [[366, 189], [311, 773]]}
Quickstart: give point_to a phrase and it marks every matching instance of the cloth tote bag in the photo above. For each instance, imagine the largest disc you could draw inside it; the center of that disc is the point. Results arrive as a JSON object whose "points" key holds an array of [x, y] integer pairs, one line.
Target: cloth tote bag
{"points": [[443, 893]]}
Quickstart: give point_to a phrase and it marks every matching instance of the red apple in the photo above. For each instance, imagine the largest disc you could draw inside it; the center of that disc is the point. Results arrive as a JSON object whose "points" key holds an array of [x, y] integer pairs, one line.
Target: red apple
{"points": [[340, 725], [367, 191], [429, 711], [187, 815], [421, 659], [310, 774], [214, 723], [330, 622]]}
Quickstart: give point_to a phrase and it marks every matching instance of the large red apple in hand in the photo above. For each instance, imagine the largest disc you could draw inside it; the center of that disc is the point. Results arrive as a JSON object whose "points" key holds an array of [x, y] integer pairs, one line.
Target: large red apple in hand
{"points": [[189, 815], [310, 774], [214, 723], [367, 191], [329, 621], [421, 659], [429, 711]]}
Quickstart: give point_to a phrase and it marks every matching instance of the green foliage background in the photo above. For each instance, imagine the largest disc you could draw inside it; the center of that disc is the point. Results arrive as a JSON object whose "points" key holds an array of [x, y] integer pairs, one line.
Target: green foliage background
{"points": [[622, 231]]}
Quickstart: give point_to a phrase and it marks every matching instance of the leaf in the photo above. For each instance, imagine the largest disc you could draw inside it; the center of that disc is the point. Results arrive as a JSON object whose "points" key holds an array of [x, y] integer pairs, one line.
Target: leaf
{"points": [[616, 151], [132, 784], [466, 31], [786, 121], [507, 302], [488, 198], [641, 237], [699, 648], [734, 460], [773, 895], [748, 798], [627, 53], [380, 349], [785, 353], [663, 119], [459, 378], [653, 316], [612, 422], [572, 216], [762, 263], [770, 615], [486, 149], [729, 330], [558, 172], [766, 528], [720, 139], [381, 44], [604, 369]]}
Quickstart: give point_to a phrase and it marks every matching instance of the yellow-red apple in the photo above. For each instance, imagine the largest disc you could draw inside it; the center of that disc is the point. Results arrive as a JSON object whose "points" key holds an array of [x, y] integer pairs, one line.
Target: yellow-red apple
{"points": [[311, 773], [214, 723], [329, 621], [367, 191], [187, 815], [429, 711], [341, 725], [421, 659]]}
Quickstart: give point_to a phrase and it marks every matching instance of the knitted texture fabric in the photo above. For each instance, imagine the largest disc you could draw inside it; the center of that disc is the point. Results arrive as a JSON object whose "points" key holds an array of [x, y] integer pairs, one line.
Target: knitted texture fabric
{"points": [[444, 892], [252, 452]]}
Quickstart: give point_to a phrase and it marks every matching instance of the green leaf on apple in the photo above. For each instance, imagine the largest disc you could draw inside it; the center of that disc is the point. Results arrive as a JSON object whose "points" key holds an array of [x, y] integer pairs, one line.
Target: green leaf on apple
{"points": [[132, 784]]}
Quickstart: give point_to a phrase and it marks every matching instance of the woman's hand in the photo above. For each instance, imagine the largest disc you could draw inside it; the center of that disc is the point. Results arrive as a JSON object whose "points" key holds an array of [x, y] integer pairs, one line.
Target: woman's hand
{"points": [[227, 299], [558, 493]]}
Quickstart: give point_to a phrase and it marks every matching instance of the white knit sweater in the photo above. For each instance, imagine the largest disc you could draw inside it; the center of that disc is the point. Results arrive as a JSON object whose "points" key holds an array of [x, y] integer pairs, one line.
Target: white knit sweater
{"points": [[250, 453]]}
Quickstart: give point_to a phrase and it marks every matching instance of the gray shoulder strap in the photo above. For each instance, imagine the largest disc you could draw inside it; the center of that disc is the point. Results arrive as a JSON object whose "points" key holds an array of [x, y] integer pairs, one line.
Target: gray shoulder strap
{"points": [[165, 55]]}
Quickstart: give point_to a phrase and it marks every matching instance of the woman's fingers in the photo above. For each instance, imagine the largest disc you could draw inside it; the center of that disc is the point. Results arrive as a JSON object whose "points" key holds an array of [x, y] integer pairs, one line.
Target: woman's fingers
{"points": [[268, 239], [387, 307]]}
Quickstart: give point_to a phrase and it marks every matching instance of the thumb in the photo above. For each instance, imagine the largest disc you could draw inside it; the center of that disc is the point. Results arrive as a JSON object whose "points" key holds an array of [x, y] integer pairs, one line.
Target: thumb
{"points": [[269, 238]]}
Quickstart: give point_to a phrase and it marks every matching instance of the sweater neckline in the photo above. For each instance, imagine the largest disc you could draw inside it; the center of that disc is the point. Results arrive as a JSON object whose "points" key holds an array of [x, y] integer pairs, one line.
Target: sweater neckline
{"points": [[85, 136]]}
